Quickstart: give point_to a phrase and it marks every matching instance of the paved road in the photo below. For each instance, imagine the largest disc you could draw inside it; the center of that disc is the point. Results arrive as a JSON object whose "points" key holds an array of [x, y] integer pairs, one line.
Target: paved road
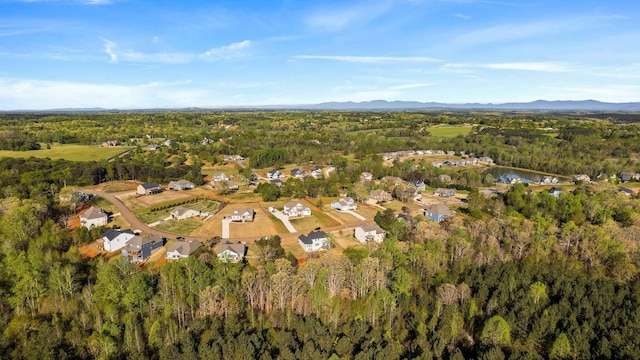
{"points": [[285, 220], [133, 220]]}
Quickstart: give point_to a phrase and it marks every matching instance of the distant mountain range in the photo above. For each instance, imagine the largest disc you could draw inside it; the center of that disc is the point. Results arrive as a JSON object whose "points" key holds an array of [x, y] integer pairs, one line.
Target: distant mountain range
{"points": [[384, 105], [539, 105]]}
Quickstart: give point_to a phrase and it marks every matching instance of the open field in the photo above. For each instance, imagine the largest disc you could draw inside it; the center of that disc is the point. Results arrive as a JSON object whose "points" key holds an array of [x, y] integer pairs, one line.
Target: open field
{"points": [[262, 224], [450, 131], [70, 152]]}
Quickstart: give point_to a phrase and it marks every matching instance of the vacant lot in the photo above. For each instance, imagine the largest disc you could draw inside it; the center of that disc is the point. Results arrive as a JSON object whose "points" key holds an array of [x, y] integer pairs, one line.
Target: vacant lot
{"points": [[181, 227], [69, 152]]}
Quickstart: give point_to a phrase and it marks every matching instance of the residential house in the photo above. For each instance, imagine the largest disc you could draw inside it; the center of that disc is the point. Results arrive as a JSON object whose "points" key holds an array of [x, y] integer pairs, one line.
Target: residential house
{"points": [[114, 239], [182, 213], [234, 186], [153, 147], [149, 188], [316, 172], [228, 252], [366, 176], [168, 142], [94, 217], [220, 176], [583, 178], [276, 182], [486, 159], [275, 174], [110, 143], [243, 215], [296, 209], [392, 180], [555, 192], [437, 164], [232, 158], [444, 192], [298, 173], [419, 185], [376, 196], [181, 185], [438, 212], [549, 180], [444, 178], [512, 179], [344, 204], [369, 232], [182, 249], [626, 191], [628, 176], [140, 248], [314, 241]]}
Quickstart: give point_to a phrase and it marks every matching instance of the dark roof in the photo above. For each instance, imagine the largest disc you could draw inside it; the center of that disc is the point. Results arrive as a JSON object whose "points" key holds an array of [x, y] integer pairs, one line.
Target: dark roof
{"points": [[113, 233], [150, 185], [314, 235]]}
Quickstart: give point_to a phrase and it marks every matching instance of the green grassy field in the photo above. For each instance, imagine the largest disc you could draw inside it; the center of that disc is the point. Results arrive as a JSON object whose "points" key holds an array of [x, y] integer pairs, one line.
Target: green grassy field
{"points": [[70, 152], [184, 227], [449, 131]]}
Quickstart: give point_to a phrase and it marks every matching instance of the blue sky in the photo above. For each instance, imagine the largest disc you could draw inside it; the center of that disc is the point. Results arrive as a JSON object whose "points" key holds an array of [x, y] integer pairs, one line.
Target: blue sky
{"points": [[140, 54]]}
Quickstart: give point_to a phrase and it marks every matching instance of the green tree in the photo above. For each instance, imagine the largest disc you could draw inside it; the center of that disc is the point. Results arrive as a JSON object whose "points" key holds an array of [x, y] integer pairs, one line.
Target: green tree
{"points": [[496, 332], [561, 348]]}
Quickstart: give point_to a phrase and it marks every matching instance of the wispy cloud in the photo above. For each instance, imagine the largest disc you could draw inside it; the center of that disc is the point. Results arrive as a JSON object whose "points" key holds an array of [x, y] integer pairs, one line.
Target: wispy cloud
{"points": [[521, 66], [369, 59], [227, 52], [410, 86], [338, 18]]}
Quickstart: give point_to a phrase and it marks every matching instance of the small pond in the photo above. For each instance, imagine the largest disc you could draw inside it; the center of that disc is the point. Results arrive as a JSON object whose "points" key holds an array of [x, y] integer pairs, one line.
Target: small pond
{"points": [[505, 174]]}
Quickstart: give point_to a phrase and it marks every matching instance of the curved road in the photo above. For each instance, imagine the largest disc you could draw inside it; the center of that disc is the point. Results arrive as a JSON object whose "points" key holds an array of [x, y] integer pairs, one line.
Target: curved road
{"points": [[133, 220]]}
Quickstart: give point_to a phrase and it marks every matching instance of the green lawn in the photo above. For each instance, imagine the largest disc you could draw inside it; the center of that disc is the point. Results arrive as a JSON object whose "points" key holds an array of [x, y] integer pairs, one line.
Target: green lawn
{"points": [[184, 227], [70, 152], [450, 131], [153, 216]]}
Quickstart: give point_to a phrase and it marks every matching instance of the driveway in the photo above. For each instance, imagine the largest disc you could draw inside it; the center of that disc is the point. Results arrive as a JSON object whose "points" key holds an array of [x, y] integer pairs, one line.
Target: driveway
{"points": [[285, 220], [133, 220], [225, 227], [354, 214]]}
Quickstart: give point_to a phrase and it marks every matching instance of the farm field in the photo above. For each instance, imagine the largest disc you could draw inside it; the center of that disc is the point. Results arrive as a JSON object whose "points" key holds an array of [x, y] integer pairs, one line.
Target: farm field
{"points": [[72, 152], [450, 131]]}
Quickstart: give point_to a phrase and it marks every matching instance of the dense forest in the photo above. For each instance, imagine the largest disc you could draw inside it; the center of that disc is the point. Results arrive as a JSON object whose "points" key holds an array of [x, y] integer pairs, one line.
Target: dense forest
{"points": [[523, 274]]}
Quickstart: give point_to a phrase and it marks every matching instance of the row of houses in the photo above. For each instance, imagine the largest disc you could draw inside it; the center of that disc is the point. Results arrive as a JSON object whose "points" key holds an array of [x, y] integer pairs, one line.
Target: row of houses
{"points": [[150, 188], [297, 173], [318, 240], [408, 153]]}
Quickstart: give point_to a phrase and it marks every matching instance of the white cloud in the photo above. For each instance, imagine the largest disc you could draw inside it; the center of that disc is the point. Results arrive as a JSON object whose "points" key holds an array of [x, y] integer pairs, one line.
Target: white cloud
{"points": [[410, 86], [335, 18], [227, 52], [369, 59], [44, 94], [520, 66]]}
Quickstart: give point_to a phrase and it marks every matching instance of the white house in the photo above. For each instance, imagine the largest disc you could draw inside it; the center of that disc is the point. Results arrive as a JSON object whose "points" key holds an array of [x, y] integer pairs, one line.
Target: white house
{"points": [[367, 232], [366, 176], [229, 252], [181, 185], [275, 174], [182, 249], [549, 180], [316, 240], [344, 204], [114, 239], [316, 172], [243, 215], [295, 209], [181, 213], [94, 217], [220, 176], [298, 173]]}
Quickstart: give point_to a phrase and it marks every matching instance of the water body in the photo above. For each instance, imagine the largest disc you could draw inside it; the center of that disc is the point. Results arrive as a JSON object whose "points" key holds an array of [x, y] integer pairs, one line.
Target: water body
{"points": [[505, 174]]}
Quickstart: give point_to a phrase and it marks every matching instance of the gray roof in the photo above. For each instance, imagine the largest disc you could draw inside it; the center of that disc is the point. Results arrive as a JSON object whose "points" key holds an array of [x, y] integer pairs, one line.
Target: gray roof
{"points": [[139, 241], [113, 233], [185, 248], [439, 209], [314, 235], [243, 211], [371, 227], [238, 248], [94, 213], [180, 210]]}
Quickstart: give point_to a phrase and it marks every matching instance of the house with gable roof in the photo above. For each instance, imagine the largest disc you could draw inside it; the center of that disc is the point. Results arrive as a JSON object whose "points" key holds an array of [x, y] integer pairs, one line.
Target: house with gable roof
{"points": [[140, 248], [438, 212], [230, 252], [182, 213], [148, 188], [296, 209], [314, 241], [114, 239], [369, 232], [182, 249], [94, 217], [346, 203]]}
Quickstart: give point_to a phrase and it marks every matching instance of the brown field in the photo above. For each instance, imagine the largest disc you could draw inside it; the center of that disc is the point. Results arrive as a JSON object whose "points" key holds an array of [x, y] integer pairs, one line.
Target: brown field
{"points": [[163, 197]]}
